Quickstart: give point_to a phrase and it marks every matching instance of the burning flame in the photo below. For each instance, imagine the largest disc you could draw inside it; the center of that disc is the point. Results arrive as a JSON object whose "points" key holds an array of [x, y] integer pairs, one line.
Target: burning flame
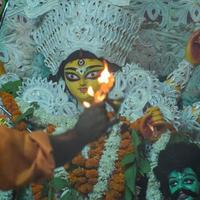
{"points": [[106, 81], [90, 91], [105, 74], [86, 104]]}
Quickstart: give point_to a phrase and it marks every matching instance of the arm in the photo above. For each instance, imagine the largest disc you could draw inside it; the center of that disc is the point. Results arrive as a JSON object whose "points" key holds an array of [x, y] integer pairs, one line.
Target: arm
{"points": [[26, 158], [178, 78], [91, 125]]}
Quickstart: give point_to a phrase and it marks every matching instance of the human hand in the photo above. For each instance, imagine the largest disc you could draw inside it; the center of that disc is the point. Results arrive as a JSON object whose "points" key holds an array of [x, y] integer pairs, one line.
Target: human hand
{"points": [[192, 53], [92, 123]]}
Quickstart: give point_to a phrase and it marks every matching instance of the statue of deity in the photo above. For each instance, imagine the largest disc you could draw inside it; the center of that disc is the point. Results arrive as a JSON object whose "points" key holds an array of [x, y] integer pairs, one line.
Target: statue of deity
{"points": [[74, 40], [178, 171]]}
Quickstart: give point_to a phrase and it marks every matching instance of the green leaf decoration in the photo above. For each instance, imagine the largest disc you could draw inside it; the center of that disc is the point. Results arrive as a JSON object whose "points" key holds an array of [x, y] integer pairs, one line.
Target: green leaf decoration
{"points": [[71, 194], [59, 183], [29, 113], [128, 194], [130, 178], [144, 166], [128, 159], [51, 193], [11, 87], [135, 138]]}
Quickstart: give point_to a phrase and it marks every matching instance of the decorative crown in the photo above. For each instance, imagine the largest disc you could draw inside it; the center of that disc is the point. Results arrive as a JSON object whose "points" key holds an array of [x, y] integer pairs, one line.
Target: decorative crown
{"points": [[102, 28]]}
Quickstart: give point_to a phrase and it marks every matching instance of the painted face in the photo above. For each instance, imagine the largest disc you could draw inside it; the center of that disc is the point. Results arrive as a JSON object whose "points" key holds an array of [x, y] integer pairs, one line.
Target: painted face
{"points": [[80, 74], [184, 185]]}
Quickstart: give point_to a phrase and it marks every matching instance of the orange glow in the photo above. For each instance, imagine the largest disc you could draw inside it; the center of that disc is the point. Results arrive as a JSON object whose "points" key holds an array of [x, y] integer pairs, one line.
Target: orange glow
{"points": [[90, 91], [86, 104], [105, 74], [106, 81]]}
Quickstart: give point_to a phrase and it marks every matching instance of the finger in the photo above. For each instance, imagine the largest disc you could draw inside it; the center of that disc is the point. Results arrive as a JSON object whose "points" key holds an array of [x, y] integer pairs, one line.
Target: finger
{"points": [[158, 123], [152, 109], [156, 112], [157, 119]]}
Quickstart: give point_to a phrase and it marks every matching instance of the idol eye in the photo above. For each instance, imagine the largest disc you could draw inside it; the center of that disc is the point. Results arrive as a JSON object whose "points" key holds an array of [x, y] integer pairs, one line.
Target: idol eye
{"points": [[188, 181], [93, 75], [173, 183], [71, 77]]}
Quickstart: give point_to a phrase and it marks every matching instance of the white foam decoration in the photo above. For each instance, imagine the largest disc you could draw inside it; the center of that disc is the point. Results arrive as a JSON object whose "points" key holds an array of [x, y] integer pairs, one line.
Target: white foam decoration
{"points": [[144, 90], [48, 95], [104, 29]]}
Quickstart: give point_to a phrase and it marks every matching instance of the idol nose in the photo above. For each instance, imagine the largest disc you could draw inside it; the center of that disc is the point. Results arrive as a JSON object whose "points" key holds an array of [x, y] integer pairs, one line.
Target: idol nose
{"points": [[82, 82]]}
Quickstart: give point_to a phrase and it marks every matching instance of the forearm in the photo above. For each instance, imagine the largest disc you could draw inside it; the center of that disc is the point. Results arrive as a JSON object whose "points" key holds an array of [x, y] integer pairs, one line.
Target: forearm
{"points": [[179, 77], [66, 146]]}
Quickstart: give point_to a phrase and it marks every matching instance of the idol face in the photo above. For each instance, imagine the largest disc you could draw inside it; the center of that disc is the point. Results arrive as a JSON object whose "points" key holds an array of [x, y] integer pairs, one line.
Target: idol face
{"points": [[184, 185], [80, 74]]}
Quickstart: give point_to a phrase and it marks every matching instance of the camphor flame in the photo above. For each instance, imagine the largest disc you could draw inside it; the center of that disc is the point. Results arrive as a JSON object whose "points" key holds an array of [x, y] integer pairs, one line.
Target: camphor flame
{"points": [[106, 81], [105, 74], [90, 91], [86, 104]]}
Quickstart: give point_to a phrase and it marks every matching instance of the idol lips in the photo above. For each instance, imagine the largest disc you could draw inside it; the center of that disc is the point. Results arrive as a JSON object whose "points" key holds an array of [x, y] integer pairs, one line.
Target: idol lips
{"points": [[182, 196], [83, 90]]}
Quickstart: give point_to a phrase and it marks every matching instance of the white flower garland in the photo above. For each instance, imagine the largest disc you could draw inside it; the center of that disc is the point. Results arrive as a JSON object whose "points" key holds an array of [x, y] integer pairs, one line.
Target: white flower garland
{"points": [[153, 186], [43, 118], [107, 163]]}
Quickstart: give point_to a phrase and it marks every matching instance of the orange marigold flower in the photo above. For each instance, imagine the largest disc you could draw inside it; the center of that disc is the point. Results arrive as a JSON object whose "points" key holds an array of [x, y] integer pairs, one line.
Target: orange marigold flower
{"points": [[112, 195], [91, 163], [80, 180], [117, 187], [91, 173], [79, 172], [126, 135], [121, 153], [118, 178], [85, 188], [94, 152], [125, 143], [92, 180], [72, 178], [79, 160]]}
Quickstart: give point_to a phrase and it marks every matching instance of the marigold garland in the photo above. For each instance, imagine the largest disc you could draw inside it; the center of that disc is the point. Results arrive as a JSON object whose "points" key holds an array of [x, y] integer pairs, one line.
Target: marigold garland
{"points": [[84, 176], [116, 184], [11, 106]]}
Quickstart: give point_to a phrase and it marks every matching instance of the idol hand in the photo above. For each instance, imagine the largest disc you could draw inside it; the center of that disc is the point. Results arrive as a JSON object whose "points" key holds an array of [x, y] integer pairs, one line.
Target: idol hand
{"points": [[153, 123]]}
